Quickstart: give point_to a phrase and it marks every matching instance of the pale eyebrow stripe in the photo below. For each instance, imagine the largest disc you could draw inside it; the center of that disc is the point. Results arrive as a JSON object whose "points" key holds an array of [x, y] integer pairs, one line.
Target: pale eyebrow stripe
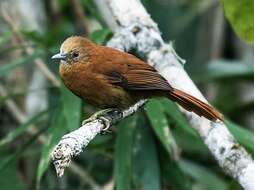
{"points": [[61, 49]]}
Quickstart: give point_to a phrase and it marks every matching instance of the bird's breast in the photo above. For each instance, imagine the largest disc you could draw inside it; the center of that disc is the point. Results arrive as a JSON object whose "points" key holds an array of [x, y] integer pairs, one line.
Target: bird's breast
{"points": [[94, 88]]}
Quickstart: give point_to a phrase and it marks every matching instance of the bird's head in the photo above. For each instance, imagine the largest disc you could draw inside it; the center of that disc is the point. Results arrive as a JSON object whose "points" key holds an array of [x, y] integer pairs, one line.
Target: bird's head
{"points": [[73, 50]]}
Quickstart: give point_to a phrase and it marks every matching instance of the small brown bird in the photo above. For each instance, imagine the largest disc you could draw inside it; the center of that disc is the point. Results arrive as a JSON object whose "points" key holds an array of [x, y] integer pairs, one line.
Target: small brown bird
{"points": [[108, 78]]}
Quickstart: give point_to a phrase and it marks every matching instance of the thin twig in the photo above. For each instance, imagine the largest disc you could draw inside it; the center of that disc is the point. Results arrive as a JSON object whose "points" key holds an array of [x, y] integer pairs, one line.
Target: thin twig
{"points": [[29, 50]]}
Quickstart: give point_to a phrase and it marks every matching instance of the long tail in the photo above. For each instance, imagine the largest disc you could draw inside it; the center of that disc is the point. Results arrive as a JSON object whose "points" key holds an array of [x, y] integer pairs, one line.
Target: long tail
{"points": [[195, 105]]}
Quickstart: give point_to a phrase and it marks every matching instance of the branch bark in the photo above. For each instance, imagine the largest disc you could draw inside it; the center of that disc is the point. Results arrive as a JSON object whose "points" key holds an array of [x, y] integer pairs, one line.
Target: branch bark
{"points": [[74, 142], [134, 28]]}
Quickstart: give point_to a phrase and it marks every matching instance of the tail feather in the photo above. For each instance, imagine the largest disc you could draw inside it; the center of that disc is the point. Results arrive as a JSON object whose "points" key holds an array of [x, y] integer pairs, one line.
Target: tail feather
{"points": [[195, 105]]}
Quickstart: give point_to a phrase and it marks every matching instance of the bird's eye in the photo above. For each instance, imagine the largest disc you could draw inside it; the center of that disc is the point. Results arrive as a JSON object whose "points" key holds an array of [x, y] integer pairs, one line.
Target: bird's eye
{"points": [[75, 54]]}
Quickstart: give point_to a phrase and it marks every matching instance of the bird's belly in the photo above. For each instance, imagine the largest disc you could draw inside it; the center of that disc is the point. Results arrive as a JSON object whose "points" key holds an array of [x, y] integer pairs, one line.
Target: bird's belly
{"points": [[98, 92]]}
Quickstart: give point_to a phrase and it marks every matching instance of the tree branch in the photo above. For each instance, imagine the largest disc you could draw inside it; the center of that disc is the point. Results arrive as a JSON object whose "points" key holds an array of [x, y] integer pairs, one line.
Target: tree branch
{"points": [[74, 142], [135, 29]]}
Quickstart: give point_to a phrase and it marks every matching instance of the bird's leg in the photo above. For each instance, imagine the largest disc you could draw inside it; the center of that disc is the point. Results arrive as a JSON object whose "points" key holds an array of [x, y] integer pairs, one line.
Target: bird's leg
{"points": [[108, 116]]}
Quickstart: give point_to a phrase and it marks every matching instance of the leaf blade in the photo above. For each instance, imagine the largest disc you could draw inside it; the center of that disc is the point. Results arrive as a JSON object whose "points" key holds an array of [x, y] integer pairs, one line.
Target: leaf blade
{"points": [[56, 130], [146, 170], [240, 15], [71, 108], [5, 69], [123, 154], [158, 120], [21, 129]]}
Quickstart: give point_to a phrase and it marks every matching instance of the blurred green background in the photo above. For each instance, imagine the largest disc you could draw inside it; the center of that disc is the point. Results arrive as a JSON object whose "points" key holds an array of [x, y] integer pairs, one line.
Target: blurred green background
{"points": [[151, 150]]}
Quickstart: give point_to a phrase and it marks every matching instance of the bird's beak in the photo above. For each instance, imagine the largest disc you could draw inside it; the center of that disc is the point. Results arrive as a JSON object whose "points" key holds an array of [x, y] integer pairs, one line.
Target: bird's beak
{"points": [[59, 56]]}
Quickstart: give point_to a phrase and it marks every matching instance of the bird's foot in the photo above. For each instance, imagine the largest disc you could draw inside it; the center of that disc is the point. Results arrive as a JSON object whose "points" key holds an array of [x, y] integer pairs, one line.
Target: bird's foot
{"points": [[107, 117]]}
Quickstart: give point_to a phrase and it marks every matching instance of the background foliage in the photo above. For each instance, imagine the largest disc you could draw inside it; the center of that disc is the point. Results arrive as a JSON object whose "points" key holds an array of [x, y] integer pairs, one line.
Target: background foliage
{"points": [[153, 149]]}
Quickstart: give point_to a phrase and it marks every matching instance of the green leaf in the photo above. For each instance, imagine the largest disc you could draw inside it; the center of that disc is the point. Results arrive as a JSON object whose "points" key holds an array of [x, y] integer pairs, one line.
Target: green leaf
{"points": [[71, 108], [5, 37], [9, 177], [56, 131], [240, 14], [100, 36], [146, 171], [203, 176], [174, 113], [158, 120], [123, 154], [6, 68], [184, 134], [243, 136], [14, 134], [35, 37], [174, 176], [221, 69], [190, 144], [20, 150]]}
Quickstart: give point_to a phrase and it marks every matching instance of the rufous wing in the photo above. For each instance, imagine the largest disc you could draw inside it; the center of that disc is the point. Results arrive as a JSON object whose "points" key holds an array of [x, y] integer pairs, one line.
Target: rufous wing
{"points": [[137, 75]]}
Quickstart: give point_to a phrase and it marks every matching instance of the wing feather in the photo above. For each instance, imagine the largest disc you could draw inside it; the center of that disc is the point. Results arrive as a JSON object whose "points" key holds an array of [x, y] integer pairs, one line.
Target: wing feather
{"points": [[129, 72], [139, 78]]}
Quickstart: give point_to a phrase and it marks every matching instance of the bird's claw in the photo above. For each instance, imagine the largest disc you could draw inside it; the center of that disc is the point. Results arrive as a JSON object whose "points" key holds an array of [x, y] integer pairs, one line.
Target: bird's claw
{"points": [[105, 116], [86, 121], [106, 122]]}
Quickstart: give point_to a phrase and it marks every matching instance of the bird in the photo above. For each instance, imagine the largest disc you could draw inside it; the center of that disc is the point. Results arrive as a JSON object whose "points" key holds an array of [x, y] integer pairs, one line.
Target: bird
{"points": [[110, 79]]}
